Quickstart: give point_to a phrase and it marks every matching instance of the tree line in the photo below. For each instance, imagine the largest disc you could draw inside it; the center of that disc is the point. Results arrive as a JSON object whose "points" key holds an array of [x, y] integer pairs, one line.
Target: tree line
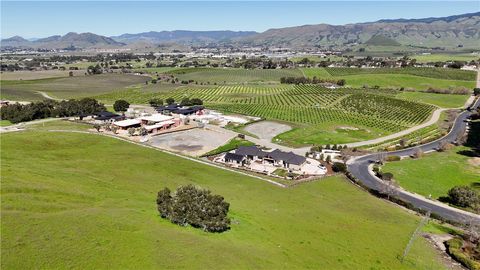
{"points": [[16, 113], [314, 80], [194, 206]]}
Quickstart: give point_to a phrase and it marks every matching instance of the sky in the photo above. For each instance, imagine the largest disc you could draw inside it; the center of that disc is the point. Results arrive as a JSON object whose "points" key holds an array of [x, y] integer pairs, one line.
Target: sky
{"points": [[34, 19]]}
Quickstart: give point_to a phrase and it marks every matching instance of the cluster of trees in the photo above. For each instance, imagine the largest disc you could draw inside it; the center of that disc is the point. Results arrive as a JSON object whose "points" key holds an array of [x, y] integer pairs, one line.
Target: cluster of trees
{"points": [[191, 102], [194, 206], [463, 196], [315, 80], [319, 148], [121, 105], [458, 91], [97, 69], [16, 113], [155, 102]]}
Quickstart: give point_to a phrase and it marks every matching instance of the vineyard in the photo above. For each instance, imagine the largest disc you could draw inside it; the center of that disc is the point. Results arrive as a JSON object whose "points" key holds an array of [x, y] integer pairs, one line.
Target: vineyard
{"points": [[305, 105], [233, 75]]}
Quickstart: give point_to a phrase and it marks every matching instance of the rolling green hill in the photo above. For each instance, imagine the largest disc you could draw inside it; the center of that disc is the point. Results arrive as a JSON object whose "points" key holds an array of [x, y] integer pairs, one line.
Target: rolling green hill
{"points": [[83, 201]]}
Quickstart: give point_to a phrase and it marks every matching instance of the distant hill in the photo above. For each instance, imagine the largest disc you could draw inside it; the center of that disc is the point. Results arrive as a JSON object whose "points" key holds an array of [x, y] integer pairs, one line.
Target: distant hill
{"points": [[82, 40], [448, 32], [380, 40], [183, 36]]}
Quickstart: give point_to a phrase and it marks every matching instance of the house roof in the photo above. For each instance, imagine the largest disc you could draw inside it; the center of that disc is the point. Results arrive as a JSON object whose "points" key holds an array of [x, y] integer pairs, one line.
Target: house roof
{"points": [[127, 123], [287, 157], [105, 114], [249, 151], [117, 117], [157, 117], [233, 156]]}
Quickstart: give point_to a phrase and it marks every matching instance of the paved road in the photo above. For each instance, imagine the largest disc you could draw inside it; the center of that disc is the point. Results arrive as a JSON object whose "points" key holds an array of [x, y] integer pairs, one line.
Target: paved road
{"points": [[359, 167]]}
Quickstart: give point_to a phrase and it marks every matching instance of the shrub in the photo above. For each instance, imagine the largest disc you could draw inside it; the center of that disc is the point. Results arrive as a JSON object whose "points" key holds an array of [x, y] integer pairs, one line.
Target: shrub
{"points": [[121, 105], [170, 101], [339, 167], [195, 207], [463, 196], [454, 248], [386, 176], [155, 102], [392, 158]]}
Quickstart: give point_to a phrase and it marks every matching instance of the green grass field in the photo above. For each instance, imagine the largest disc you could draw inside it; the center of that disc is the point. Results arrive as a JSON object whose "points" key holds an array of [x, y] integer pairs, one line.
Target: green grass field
{"points": [[83, 201], [411, 78], [434, 173], [440, 100], [69, 87], [425, 58]]}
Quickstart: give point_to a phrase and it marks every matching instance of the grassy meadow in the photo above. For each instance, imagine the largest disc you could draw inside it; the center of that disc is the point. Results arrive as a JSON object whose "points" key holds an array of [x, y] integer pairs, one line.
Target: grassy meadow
{"points": [[409, 78], [440, 100], [435, 173], [439, 57], [72, 200]]}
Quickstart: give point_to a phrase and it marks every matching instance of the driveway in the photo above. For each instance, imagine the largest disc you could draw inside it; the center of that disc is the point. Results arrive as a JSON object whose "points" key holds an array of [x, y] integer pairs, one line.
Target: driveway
{"points": [[359, 167]]}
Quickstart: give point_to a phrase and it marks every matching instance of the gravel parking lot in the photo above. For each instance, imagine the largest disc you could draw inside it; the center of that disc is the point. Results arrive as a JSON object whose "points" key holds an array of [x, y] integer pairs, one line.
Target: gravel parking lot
{"points": [[193, 142], [267, 129]]}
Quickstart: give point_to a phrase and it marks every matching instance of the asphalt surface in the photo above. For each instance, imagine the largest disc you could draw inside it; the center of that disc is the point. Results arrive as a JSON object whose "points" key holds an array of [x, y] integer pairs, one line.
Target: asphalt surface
{"points": [[359, 167]]}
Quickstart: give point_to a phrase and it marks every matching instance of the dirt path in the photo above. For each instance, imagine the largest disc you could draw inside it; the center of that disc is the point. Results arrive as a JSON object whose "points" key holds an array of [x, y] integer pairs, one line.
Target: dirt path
{"points": [[45, 95]]}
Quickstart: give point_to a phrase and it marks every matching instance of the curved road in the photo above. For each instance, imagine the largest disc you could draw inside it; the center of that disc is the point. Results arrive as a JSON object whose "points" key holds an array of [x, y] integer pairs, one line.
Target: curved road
{"points": [[359, 167]]}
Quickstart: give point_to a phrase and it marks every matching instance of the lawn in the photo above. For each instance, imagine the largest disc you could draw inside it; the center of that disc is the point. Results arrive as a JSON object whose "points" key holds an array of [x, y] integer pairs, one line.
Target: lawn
{"points": [[70, 87], [231, 145], [327, 133], [435, 173], [83, 201], [4, 123], [440, 100]]}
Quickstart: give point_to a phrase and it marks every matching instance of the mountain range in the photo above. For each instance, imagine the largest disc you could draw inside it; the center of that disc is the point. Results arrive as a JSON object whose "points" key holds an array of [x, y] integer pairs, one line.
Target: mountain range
{"points": [[445, 32]]}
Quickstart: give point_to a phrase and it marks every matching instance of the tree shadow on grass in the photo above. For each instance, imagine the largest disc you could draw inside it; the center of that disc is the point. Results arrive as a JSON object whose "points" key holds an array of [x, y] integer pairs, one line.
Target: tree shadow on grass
{"points": [[475, 185], [469, 153]]}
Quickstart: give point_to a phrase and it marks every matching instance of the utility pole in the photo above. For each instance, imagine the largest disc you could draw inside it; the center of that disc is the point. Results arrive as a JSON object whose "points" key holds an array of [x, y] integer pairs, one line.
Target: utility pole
{"points": [[414, 235]]}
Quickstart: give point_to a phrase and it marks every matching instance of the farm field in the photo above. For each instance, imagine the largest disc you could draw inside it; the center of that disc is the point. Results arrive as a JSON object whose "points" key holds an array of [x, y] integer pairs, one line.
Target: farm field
{"points": [[410, 78], [95, 201], [435, 173], [425, 58], [69, 87], [357, 113], [423, 135], [35, 75], [440, 100], [234, 76]]}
